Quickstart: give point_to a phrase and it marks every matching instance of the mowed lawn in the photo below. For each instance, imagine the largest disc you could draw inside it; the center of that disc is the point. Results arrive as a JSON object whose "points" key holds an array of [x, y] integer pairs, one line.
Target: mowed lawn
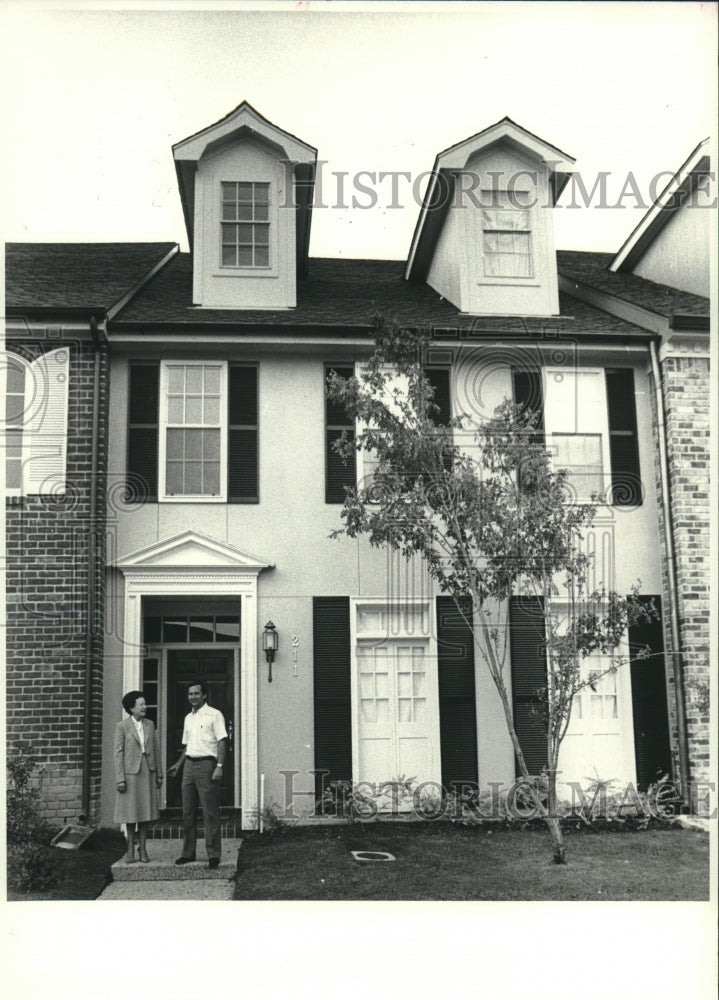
{"points": [[444, 862]]}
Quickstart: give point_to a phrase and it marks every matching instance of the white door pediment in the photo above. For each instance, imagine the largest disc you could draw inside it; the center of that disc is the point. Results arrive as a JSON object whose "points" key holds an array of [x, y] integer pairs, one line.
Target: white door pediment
{"points": [[191, 550]]}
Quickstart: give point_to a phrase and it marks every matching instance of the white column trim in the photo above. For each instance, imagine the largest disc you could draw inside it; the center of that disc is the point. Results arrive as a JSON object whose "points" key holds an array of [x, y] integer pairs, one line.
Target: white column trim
{"points": [[220, 582]]}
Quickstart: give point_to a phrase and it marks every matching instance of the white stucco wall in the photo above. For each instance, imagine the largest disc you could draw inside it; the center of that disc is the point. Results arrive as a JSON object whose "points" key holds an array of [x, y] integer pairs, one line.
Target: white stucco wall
{"points": [[290, 527]]}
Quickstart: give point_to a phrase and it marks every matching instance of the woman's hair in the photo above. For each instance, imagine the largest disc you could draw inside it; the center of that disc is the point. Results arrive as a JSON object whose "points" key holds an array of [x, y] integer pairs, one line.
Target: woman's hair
{"points": [[129, 700]]}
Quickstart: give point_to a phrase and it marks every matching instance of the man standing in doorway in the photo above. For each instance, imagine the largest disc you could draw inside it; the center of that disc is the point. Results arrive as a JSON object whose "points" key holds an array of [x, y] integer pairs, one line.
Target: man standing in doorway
{"points": [[204, 741]]}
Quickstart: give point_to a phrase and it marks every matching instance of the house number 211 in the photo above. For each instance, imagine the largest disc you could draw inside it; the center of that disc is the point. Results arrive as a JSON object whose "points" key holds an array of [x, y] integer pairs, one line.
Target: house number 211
{"points": [[295, 645]]}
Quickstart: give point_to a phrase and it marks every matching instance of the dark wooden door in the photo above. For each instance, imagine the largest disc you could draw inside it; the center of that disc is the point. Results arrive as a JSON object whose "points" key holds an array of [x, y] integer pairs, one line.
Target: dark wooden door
{"points": [[216, 668]]}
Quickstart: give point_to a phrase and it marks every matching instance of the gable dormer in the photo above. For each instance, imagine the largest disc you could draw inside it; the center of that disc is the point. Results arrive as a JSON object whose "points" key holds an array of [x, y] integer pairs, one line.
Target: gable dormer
{"points": [[485, 236], [246, 189]]}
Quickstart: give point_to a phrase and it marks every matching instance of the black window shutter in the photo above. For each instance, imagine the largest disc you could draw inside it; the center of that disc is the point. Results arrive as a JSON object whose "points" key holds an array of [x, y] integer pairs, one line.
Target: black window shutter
{"points": [[527, 386], [339, 473], [529, 676], [649, 701], [142, 430], [457, 707], [439, 379], [242, 451], [623, 443], [332, 696]]}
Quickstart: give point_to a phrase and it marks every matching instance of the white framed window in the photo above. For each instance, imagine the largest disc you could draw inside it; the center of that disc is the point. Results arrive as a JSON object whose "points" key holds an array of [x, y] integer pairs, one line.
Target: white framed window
{"points": [[36, 423], [506, 234], [245, 224], [193, 431], [577, 437]]}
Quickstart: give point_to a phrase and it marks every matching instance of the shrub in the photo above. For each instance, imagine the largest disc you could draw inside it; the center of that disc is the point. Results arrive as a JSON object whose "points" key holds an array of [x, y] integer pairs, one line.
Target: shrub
{"points": [[24, 823], [33, 867]]}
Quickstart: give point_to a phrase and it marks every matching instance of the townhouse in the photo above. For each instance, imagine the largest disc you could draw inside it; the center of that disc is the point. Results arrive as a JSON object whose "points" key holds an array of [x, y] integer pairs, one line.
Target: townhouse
{"points": [[172, 483]]}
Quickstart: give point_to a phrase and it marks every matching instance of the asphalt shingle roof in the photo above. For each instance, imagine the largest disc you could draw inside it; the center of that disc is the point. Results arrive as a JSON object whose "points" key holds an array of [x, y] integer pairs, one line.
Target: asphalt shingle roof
{"points": [[338, 293], [591, 269], [76, 275], [343, 293]]}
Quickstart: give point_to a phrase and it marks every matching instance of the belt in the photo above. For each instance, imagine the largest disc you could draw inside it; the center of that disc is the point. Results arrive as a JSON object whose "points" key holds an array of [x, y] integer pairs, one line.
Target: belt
{"points": [[200, 758]]}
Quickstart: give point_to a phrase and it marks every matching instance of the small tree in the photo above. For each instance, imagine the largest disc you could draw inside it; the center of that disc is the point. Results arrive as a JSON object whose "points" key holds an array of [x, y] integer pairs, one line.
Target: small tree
{"points": [[491, 520]]}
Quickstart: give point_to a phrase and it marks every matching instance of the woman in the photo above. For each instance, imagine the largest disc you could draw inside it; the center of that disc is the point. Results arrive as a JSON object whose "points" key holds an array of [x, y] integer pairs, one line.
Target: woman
{"points": [[138, 773]]}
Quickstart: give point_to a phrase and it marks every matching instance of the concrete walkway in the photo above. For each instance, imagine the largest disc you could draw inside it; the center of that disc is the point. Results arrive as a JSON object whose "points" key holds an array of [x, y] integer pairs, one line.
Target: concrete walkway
{"points": [[163, 879]]}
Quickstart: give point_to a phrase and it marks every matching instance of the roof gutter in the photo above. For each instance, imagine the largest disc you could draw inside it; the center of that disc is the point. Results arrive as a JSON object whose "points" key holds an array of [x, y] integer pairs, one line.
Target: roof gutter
{"points": [[676, 655]]}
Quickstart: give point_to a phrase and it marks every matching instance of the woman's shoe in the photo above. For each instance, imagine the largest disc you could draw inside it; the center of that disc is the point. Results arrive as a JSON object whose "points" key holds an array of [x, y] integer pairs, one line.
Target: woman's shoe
{"points": [[144, 858], [131, 861]]}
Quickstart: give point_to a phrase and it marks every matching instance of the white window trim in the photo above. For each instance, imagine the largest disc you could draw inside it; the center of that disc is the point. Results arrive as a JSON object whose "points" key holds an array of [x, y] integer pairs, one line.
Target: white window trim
{"points": [[602, 430], [163, 496], [529, 280], [270, 270]]}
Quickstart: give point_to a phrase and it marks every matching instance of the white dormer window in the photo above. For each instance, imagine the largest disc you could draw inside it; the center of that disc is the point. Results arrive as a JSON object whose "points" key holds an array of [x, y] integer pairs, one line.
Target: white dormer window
{"points": [[506, 234], [245, 224]]}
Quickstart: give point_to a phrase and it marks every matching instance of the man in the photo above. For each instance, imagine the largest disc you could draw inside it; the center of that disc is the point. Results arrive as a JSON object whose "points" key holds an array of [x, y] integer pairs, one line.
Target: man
{"points": [[204, 741]]}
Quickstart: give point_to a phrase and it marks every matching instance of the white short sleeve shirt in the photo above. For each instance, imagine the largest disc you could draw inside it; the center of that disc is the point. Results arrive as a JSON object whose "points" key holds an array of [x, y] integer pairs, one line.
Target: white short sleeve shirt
{"points": [[203, 731]]}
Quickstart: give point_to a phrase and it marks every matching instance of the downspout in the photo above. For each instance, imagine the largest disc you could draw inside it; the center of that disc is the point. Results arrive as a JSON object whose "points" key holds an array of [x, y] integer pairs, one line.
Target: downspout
{"points": [[677, 665], [91, 575]]}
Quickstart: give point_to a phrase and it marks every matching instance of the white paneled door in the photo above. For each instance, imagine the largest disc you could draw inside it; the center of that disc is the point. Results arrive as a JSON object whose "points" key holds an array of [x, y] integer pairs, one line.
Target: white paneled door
{"points": [[397, 712]]}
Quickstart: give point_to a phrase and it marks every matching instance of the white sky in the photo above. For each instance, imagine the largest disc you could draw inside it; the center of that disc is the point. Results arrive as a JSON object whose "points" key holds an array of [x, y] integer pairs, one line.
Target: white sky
{"points": [[95, 99]]}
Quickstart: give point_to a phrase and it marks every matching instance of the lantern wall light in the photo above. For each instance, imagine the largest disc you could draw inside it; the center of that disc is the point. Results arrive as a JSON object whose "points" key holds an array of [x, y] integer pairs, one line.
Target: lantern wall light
{"points": [[270, 644]]}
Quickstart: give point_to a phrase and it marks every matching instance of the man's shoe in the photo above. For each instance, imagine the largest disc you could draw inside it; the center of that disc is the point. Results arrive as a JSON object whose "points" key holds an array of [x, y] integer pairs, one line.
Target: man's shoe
{"points": [[184, 861], [213, 863]]}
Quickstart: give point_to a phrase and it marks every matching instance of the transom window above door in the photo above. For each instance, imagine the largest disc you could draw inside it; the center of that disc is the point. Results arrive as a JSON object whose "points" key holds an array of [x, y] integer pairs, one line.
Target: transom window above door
{"points": [[205, 628]]}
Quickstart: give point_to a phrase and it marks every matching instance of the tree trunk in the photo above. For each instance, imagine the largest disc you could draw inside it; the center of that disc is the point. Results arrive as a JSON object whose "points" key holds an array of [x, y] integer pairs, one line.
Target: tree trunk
{"points": [[555, 832]]}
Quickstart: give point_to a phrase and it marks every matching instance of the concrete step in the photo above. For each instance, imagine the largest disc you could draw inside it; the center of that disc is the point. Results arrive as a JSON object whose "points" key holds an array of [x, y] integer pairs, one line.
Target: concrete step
{"points": [[162, 867]]}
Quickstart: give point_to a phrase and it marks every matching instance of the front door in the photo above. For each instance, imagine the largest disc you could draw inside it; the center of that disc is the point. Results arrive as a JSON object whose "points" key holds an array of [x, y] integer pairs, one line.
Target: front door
{"points": [[216, 668]]}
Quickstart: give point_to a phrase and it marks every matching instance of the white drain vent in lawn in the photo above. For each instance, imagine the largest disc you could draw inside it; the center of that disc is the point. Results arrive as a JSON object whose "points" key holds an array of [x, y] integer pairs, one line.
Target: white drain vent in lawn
{"points": [[373, 856]]}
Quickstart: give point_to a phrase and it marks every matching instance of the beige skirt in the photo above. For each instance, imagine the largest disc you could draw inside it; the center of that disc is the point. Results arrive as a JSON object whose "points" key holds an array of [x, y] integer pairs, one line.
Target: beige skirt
{"points": [[138, 803]]}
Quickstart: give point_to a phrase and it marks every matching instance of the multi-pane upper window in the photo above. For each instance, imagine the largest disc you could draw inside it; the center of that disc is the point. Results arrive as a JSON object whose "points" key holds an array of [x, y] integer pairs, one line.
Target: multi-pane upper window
{"points": [[506, 234], [194, 438], [192, 431], [245, 224]]}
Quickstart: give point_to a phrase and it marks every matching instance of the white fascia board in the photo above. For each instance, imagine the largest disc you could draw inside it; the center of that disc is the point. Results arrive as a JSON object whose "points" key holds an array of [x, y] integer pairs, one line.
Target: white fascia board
{"points": [[294, 149], [455, 158], [668, 202]]}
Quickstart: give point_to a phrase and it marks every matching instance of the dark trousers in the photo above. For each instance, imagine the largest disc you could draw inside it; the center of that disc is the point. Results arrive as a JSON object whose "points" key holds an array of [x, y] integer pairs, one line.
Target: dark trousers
{"points": [[199, 788]]}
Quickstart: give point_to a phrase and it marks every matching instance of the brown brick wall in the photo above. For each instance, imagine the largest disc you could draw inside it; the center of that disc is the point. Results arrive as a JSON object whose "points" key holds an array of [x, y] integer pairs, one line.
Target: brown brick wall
{"points": [[686, 402], [48, 545]]}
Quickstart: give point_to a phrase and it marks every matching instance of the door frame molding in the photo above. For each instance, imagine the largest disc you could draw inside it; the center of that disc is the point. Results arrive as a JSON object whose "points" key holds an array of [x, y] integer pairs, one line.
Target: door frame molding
{"points": [[193, 565]]}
